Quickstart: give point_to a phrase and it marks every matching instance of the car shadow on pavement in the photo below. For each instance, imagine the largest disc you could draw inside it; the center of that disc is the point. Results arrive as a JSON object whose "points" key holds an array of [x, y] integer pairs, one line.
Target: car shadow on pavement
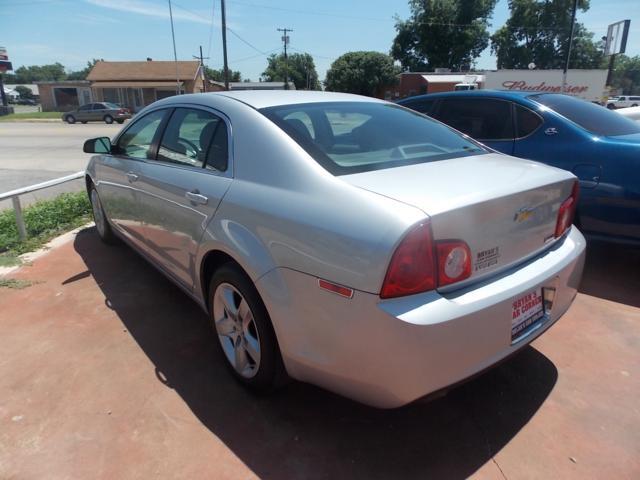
{"points": [[612, 272], [302, 431]]}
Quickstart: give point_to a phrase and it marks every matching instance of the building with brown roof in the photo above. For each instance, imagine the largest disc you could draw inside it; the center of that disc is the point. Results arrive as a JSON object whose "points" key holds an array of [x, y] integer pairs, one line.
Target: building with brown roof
{"points": [[129, 84]]}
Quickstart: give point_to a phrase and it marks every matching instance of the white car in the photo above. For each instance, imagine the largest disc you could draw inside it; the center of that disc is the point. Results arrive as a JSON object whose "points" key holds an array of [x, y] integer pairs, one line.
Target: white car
{"points": [[345, 241], [623, 101], [631, 112]]}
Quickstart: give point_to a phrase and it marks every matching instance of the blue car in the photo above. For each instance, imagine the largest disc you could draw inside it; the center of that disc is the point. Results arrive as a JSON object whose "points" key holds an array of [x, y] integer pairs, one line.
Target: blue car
{"points": [[601, 147]]}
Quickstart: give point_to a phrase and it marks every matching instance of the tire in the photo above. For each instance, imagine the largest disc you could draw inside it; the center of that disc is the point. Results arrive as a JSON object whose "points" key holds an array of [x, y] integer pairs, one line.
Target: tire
{"points": [[102, 224], [108, 119], [610, 106], [247, 341], [120, 121], [70, 119], [634, 105], [83, 122]]}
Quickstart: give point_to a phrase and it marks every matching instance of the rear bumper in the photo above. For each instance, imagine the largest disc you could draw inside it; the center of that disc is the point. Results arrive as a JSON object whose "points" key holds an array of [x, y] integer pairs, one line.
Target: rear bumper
{"points": [[387, 353]]}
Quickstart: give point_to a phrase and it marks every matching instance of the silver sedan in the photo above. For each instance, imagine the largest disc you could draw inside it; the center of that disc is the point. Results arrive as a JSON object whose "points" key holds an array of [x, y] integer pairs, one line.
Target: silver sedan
{"points": [[341, 240]]}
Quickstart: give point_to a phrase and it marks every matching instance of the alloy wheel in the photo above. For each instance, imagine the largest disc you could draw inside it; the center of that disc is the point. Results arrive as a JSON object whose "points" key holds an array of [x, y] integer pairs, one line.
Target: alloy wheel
{"points": [[236, 329]]}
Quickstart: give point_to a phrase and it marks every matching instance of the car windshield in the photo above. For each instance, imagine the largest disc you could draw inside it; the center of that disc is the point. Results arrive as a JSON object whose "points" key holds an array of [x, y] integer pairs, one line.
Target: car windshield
{"points": [[112, 106], [354, 137], [591, 117]]}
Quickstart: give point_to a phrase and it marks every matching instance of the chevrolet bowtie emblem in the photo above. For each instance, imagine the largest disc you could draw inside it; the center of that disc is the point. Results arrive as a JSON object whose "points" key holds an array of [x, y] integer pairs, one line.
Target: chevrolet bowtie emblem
{"points": [[523, 215]]}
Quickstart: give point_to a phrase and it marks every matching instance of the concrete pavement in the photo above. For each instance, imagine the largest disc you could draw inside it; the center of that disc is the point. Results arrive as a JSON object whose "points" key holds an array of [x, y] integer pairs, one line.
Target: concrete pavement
{"points": [[109, 371], [34, 152]]}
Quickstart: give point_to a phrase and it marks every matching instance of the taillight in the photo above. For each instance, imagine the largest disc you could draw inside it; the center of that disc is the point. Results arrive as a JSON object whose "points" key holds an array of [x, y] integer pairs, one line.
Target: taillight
{"points": [[122, 110], [567, 211], [412, 266], [454, 261]]}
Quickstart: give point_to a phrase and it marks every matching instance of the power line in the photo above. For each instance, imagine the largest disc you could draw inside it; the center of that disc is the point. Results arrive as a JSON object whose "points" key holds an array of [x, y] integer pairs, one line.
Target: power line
{"points": [[303, 12], [245, 41]]}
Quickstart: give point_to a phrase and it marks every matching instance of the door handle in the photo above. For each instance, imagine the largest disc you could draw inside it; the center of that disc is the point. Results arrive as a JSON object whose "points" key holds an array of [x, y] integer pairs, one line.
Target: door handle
{"points": [[196, 197], [132, 177]]}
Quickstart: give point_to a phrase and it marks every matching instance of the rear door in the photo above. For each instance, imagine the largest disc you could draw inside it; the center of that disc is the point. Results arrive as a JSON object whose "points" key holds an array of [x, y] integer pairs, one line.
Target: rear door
{"points": [[487, 120], [182, 187], [98, 111]]}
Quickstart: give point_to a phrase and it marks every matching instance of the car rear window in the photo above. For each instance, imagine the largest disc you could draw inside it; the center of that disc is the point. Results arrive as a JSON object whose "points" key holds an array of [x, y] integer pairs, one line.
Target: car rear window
{"points": [[591, 117], [354, 137]]}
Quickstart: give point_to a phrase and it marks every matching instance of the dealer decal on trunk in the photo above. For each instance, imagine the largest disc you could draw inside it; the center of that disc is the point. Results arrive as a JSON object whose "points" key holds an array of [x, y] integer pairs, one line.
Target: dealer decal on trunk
{"points": [[486, 258]]}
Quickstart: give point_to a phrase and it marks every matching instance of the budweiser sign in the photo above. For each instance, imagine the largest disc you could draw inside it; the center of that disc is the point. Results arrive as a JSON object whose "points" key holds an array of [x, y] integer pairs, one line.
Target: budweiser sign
{"points": [[587, 84], [543, 87]]}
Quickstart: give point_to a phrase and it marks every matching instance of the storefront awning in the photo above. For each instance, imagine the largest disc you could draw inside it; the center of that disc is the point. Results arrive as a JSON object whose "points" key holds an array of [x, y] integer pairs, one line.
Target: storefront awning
{"points": [[134, 84]]}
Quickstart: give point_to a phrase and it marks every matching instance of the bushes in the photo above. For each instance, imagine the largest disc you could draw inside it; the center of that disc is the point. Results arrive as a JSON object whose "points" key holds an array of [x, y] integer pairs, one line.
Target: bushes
{"points": [[44, 220]]}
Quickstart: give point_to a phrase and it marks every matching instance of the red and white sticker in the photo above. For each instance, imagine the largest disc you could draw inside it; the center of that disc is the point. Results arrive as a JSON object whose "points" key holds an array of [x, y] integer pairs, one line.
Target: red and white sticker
{"points": [[525, 311]]}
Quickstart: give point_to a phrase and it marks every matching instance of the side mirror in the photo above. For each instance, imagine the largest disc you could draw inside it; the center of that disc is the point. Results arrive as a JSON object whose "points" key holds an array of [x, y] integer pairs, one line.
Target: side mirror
{"points": [[97, 145]]}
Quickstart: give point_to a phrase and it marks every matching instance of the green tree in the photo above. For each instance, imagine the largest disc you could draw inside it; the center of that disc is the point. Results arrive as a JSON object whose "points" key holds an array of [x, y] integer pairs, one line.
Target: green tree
{"points": [[218, 75], [37, 73], [24, 92], [364, 73], [300, 69], [442, 33], [626, 74], [82, 74], [538, 31]]}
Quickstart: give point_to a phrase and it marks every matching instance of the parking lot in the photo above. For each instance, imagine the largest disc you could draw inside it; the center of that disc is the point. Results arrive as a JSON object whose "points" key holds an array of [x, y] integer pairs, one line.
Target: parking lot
{"points": [[109, 371], [35, 152]]}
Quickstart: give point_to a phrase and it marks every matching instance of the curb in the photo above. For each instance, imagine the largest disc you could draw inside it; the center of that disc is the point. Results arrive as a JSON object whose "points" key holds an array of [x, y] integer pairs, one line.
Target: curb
{"points": [[56, 242]]}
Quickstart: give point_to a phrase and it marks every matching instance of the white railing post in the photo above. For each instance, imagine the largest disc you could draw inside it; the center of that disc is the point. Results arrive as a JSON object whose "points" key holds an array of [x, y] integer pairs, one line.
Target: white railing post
{"points": [[17, 208]]}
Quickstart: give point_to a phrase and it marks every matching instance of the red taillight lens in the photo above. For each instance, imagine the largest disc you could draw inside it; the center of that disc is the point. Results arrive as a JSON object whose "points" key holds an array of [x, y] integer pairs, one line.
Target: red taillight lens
{"points": [[412, 266], [567, 211], [122, 110], [454, 261]]}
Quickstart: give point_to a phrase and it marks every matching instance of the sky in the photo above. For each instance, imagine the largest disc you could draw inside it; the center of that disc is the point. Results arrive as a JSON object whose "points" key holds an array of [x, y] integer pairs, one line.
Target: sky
{"points": [[72, 32]]}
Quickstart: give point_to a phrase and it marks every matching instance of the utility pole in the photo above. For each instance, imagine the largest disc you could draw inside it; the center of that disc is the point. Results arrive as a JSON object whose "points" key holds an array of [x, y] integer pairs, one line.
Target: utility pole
{"points": [[285, 40], [175, 55], [224, 45], [204, 77], [566, 63]]}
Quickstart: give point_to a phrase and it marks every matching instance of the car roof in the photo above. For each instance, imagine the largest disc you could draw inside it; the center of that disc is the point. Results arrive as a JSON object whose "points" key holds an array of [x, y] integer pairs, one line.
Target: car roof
{"points": [[270, 98], [505, 94]]}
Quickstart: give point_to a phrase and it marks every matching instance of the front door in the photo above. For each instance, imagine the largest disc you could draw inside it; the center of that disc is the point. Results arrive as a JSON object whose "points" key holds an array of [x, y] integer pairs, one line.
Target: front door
{"points": [[182, 188], [120, 172]]}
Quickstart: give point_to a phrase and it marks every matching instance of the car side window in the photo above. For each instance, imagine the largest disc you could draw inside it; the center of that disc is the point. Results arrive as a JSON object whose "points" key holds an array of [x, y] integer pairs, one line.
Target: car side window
{"points": [[423, 106], [98, 106], [194, 138], [482, 119], [85, 108], [136, 141], [527, 121]]}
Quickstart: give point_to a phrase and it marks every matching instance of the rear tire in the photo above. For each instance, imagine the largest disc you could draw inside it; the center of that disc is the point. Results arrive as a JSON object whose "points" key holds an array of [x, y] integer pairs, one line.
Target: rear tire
{"points": [[102, 224], [70, 119], [108, 119], [241, 322], [83, 122], [634, 105], [120, 121]]}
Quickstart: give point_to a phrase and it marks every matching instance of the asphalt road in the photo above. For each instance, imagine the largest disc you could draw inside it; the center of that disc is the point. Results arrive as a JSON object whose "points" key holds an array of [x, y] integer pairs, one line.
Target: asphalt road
{"points": [[35, 152]]}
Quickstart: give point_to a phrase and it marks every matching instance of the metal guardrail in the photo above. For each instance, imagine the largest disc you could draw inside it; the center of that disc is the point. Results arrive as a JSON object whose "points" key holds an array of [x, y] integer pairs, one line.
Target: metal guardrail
{"points": [[14, 195]]}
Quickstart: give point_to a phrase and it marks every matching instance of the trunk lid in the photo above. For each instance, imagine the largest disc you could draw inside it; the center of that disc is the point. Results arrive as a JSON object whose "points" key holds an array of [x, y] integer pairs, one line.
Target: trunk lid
{"points": [[503, 207]]}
